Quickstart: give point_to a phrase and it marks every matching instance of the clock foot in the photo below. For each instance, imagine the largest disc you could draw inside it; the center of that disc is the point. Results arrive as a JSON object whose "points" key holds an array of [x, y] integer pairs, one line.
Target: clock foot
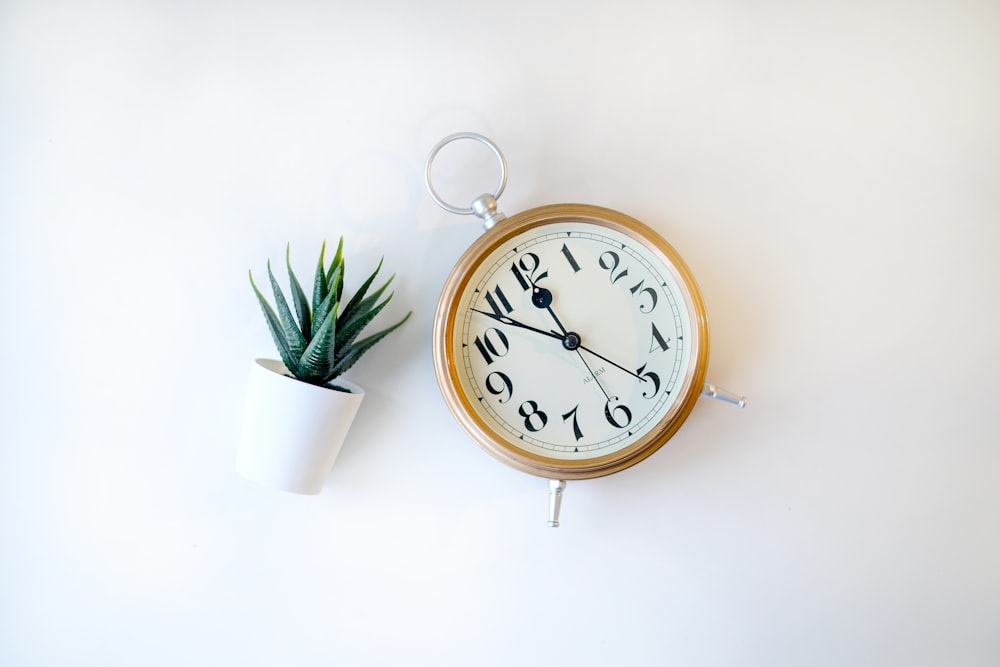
{"points": [[713, 391], [556, 487]]}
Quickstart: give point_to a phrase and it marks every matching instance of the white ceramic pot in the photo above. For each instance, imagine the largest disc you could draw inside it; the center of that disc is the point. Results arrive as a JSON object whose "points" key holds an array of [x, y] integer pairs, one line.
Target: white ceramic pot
{"points": [[293, 430]]}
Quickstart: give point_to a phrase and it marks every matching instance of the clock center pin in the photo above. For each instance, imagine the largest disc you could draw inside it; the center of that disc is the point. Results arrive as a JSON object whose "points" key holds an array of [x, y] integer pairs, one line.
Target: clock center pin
{"points": [[571, 340]]}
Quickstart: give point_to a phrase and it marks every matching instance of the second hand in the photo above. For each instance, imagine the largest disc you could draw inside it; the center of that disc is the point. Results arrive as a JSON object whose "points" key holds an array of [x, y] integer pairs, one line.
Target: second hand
{"points": [[542, 298]]}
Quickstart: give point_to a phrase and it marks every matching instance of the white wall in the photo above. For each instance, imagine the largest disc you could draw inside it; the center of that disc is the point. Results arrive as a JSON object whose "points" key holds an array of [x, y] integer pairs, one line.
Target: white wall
{"points": [[831, 172]]}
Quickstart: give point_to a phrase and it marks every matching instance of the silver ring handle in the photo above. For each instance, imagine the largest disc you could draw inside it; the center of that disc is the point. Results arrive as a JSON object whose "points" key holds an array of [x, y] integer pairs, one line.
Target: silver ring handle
{"points": [[468, 210]]}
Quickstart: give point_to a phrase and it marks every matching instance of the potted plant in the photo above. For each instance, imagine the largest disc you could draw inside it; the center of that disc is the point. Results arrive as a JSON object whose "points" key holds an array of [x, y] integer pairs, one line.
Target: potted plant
{"points": [[299, 409]]}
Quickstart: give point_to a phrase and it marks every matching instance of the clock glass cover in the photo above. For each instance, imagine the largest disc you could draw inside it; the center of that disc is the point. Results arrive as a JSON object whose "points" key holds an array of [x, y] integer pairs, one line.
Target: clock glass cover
{"points": [[572, 341]]}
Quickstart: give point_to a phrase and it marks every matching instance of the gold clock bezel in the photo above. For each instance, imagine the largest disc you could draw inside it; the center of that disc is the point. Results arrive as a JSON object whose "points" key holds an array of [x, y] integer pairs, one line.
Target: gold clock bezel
{"points": [[447, 360]]}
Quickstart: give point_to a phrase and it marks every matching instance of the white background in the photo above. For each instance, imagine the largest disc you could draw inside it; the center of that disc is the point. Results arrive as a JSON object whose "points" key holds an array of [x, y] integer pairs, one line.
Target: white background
{"points": [[830, 171]]}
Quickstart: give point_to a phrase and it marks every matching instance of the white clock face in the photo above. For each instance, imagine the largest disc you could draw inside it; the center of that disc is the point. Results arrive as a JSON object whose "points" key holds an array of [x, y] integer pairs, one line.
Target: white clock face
{"points": [[572, 340]]}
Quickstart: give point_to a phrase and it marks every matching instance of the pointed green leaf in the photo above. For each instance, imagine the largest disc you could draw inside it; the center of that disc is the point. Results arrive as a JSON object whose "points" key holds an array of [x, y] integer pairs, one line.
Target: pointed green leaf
{"points": [[355, 301], [274, 325], [336, 286], [350, 356], [363, 306], [349, 329], [315, 362], [321, 312], [299, 298], [319, 284], [296, 341]]}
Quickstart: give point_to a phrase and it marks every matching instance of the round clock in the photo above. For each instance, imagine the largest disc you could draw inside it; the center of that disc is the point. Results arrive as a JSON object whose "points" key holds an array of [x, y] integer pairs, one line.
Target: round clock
{"points": [[570, 341]]}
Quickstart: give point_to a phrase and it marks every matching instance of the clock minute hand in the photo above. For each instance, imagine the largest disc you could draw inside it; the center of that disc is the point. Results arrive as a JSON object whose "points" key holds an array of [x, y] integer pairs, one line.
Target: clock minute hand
{"points": [[514, 323], [551, 334]]}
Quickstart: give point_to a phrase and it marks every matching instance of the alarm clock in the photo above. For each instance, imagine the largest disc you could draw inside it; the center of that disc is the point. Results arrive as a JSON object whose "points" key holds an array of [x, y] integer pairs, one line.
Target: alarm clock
{"points": [[570, 341]]}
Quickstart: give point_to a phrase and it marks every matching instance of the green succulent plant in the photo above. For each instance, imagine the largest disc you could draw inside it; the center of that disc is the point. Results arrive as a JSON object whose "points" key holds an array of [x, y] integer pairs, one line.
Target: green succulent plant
{"points": [[319, 342]]}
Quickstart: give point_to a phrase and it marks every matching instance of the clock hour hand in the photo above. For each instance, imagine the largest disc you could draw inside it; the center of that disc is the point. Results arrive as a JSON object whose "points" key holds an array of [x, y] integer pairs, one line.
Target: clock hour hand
{"points": [[542, 298]]}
